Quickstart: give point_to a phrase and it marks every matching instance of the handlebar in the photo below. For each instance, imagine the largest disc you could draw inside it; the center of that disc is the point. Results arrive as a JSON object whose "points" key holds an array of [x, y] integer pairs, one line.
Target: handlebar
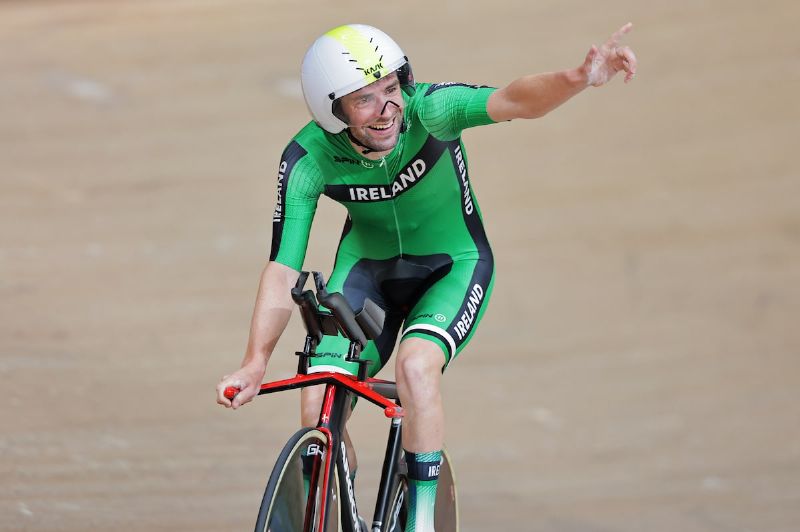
{"points": [[379, 392], [230, 392], [341, 310], [359, 327]]}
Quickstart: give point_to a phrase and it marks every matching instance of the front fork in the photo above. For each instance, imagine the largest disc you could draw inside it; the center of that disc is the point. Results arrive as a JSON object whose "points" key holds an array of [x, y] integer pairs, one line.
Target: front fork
{"points": [[332, 420]]}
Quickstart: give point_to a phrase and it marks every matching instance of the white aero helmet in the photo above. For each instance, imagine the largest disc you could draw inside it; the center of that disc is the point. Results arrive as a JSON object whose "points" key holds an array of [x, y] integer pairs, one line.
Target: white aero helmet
{"points": [[344, 60]]}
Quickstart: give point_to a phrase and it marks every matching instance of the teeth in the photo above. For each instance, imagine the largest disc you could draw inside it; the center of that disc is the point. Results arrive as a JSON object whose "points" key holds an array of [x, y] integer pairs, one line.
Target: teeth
{"points": [[386, 126]]}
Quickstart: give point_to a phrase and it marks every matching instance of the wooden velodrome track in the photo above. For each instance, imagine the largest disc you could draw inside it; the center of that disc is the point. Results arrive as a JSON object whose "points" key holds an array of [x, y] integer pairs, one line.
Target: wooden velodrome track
{"points": [[637, 369]]}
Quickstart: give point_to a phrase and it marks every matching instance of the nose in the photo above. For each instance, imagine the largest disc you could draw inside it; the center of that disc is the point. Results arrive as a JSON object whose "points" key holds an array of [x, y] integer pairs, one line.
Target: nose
{"points": [[387, 105]]}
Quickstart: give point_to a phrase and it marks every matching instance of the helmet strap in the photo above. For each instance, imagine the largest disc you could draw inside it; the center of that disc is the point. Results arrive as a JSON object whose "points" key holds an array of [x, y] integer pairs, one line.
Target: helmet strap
{"points": [[354, 140]]}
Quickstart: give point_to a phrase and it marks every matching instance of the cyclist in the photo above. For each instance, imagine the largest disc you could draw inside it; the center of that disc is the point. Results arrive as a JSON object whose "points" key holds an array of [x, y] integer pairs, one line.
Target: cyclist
{"points": [[389, 149]]}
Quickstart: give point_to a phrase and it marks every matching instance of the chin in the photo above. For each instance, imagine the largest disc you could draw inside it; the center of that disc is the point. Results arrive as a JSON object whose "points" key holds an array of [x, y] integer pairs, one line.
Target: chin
{"points": [[390, 142], [386, 145]]}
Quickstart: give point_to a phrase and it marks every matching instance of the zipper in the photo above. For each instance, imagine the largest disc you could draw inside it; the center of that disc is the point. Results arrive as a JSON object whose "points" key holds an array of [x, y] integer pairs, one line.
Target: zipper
{"points": [[394, 207]]}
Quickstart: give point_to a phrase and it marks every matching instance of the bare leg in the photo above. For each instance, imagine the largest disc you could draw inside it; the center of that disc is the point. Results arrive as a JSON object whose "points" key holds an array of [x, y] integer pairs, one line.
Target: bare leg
{"points": [[419, 375]]}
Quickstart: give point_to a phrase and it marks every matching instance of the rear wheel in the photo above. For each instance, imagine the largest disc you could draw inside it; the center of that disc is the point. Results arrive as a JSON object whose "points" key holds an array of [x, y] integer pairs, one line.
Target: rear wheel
{"points": [[398, 506], [445, 516], [293, 500], [446, 510]]}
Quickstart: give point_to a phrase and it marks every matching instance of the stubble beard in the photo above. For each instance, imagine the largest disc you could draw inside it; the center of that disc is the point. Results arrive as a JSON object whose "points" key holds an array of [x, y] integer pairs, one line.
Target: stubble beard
{"points": [[365, 137]]}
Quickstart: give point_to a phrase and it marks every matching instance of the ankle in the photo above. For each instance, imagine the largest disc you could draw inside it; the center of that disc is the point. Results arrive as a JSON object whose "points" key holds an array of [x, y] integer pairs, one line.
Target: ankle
{"points": [[423, 466]]}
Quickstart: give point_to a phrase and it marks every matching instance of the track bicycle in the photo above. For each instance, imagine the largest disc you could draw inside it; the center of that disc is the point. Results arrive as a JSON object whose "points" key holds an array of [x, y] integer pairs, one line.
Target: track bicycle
{"points": [[312, 472]]}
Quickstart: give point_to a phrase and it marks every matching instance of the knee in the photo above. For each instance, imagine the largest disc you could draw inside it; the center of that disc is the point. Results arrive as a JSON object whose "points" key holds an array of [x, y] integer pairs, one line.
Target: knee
{"points": [[419, 368]]}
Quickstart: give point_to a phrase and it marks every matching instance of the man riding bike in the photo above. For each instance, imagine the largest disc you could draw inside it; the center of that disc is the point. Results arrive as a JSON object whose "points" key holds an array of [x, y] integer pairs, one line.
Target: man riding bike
{"points": [[389, 149]]}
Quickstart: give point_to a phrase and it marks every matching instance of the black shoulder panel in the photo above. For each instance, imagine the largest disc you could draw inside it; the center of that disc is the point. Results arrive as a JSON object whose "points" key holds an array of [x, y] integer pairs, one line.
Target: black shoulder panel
{"points": [[293, 153]]}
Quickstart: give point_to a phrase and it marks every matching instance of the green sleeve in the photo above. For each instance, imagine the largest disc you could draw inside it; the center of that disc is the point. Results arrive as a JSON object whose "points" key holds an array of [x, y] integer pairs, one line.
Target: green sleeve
{"points": [[299, 187], [446, 109]]}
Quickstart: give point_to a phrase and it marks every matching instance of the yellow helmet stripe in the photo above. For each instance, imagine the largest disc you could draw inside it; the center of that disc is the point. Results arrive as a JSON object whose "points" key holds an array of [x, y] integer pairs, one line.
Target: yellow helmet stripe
{"points": [[364, 54]]}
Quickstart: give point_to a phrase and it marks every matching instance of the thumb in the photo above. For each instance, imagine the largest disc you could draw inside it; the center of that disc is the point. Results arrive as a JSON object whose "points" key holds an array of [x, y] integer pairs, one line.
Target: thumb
{"points": [[590, 56], [589, 67], [244, 396], [228, 381]]}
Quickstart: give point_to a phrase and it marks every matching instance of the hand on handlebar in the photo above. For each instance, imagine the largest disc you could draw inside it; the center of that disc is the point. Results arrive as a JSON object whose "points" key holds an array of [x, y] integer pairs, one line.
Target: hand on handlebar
{"points": [[240, 387]]}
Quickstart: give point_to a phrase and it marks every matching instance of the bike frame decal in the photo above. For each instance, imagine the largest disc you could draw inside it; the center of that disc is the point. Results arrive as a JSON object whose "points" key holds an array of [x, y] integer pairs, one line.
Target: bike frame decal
{"points": [[312, 491], [327, 406], [326, 476], [351, 494], [398, 506]]}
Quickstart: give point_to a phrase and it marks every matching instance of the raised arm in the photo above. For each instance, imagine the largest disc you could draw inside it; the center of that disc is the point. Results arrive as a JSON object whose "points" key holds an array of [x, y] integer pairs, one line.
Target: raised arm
{"points": [[536, 95]]}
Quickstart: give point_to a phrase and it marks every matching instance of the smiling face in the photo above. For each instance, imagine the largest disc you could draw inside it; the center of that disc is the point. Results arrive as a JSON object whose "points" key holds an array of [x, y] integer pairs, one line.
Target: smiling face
{"points": [[375, 114]]}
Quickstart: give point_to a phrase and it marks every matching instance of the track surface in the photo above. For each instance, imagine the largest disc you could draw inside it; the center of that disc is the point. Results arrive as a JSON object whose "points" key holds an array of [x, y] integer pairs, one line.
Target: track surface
{"points": [[638, 367]]}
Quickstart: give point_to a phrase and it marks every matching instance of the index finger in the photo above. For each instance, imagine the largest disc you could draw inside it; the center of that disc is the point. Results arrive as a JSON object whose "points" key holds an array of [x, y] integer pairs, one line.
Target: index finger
{"points": [[617, 35], [223, 400], [628, 57]]}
